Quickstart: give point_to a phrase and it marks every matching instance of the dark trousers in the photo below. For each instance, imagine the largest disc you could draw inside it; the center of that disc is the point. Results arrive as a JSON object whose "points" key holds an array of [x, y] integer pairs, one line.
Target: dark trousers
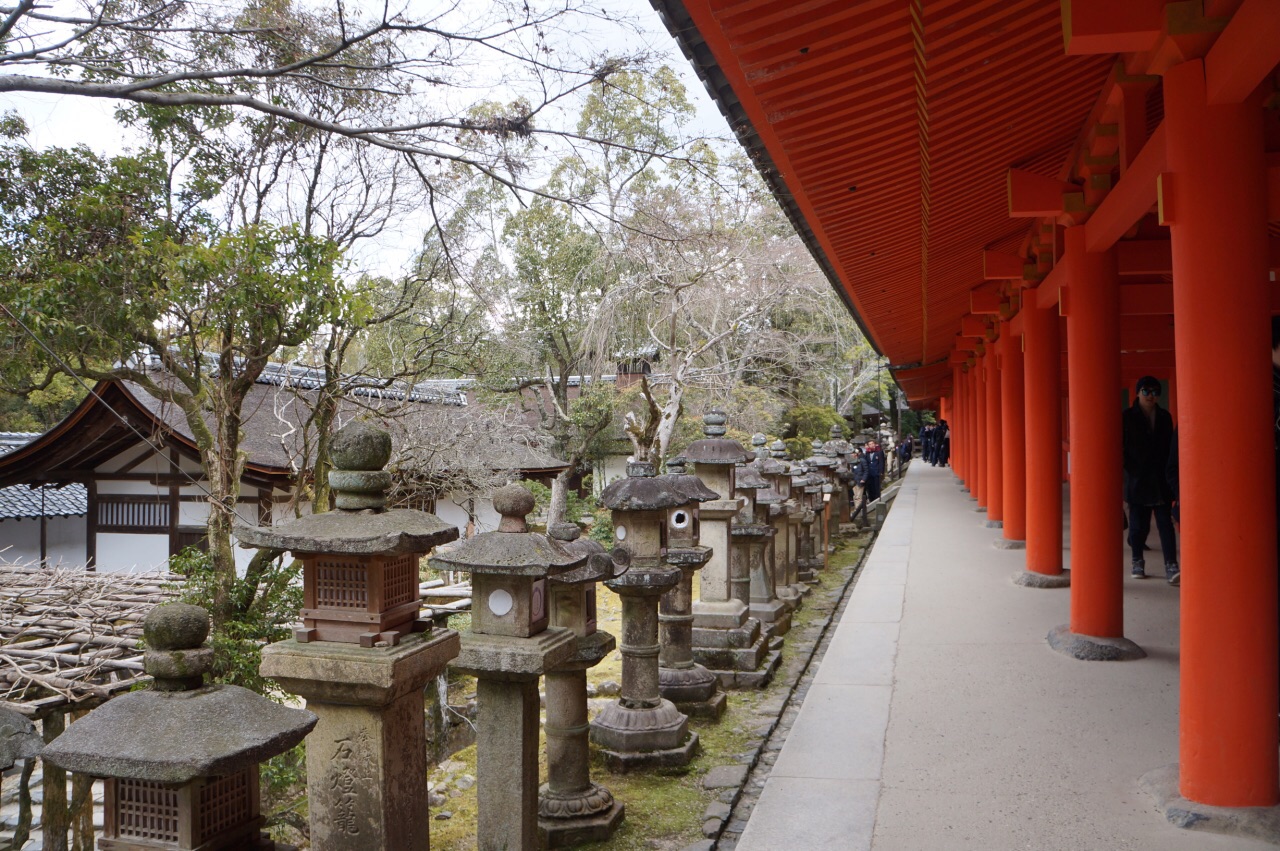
{"points": [[873, 488], [1140, 526]]}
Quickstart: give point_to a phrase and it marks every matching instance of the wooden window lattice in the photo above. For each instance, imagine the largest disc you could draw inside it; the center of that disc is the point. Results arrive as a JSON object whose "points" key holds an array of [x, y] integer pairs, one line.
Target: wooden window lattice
{"points": [[340, 586], [400, 578], [128, 513], [147, 810], [225, 803]]}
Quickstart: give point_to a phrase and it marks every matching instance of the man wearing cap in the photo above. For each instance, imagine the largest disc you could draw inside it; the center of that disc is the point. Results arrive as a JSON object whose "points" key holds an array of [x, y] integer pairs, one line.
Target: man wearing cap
{"points": [[1148, 430]]}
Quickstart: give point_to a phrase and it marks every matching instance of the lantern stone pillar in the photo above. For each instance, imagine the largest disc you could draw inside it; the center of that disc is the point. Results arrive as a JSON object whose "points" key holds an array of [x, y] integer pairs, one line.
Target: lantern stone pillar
{"points": [[788, 577], [571, 808], [776, 498], [363, 655], [180, 759], [691, 687], [642, 729]]}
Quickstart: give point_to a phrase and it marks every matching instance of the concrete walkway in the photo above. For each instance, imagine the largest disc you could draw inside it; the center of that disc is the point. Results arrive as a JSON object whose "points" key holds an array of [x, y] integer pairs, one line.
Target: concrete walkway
{"points": [[940, 719]]}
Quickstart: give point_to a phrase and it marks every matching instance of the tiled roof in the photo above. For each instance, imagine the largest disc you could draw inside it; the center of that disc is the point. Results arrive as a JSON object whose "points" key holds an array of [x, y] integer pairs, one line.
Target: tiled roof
{"points": [[21, 501]]}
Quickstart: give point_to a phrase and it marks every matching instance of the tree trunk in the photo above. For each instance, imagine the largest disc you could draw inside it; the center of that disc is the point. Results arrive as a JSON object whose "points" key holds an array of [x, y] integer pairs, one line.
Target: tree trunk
{"points": [[22, 832]]}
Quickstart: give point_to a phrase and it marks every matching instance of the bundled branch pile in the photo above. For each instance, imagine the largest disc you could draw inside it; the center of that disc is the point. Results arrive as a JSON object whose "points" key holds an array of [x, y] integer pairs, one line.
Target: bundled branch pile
{"points": [[70, 638]]}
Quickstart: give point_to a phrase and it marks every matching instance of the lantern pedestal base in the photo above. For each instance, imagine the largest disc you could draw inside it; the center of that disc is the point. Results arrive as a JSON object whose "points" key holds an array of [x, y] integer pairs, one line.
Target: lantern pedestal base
{"points": [[593, 826], [694, 691], [367, 757]]}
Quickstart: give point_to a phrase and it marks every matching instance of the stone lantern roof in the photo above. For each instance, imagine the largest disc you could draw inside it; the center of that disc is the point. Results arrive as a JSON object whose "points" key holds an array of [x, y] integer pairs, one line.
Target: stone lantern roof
{"points": [[689, 485], [600, 565], [749, 478], [361, 525], [180, 729], [641, 490], [715, 448], [512, 549], [18, 738]]}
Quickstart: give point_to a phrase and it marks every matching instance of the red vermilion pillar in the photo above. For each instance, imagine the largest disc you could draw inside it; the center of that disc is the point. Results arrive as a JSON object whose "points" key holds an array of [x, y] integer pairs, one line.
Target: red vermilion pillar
{"points": [[1042, 368], [995, 449], [953, 419], [966, 433], [979, 483], [1092, 300], [1013, 447], [1217, 209]]}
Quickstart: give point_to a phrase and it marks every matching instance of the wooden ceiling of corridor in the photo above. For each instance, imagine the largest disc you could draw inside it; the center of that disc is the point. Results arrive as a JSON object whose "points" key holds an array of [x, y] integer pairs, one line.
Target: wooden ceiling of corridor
{"points": [[888, 128]]}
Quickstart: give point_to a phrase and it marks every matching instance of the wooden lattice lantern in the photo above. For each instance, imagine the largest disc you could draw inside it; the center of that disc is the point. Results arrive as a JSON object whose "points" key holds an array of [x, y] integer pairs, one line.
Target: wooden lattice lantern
{"points": [[360, 562], [181, 759]]}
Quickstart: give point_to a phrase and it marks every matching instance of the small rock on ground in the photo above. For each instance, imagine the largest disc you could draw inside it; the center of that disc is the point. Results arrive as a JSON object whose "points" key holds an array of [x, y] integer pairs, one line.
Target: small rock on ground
{"points": [[725, 776]]}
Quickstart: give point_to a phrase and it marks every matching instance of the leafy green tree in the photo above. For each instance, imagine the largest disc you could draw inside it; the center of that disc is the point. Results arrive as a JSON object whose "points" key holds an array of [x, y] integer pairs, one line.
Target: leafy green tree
{"points": [[97, 281]]}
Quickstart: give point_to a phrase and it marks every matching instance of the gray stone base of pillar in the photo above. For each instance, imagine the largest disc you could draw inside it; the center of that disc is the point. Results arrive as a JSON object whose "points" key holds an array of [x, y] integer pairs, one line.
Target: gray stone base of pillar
{"points": [[1006, 544], [1091, 648], [748, 680], [801, 589], [789, 597], [741, 649], [695, 691], [592, 817], [993, 524], [633, 738], [981, 509], [1031, 579], [774, 617], [1252, 822]]}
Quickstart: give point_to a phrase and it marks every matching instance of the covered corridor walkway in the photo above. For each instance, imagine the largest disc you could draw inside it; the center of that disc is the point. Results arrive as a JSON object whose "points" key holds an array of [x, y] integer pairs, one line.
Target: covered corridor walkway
{"points": [[940, 717]]}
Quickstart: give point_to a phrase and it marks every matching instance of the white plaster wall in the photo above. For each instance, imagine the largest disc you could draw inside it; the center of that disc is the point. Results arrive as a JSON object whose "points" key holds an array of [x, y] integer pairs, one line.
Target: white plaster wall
{"points": [[451, 508], [64, 540], [610, 469], [133, 489], [121, 552]]}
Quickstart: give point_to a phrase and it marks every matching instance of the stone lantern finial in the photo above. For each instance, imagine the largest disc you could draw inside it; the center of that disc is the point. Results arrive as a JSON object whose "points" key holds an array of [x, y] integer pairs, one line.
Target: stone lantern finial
{"points": [[515, 504], [176, 656], [359, 452], [713, 423], [778, 449]]}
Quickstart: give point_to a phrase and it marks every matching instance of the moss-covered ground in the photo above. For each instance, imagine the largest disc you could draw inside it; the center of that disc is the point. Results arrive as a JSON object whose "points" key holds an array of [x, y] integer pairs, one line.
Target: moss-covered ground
{"points": [[665, 809]]}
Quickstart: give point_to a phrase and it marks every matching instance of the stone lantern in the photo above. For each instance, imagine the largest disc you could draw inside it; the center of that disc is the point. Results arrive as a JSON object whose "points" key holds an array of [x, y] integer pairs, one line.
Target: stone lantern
{"points": [[691, 687], [777, 499], [642, 729], [181, 758], [726, 639], [809, 485], [508, 647], [788, 553], [752, 533], [572, 809], [363, 656], [19, 739], [839, 450]]}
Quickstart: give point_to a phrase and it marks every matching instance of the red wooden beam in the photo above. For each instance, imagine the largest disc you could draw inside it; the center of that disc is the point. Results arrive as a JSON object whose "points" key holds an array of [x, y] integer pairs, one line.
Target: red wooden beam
{"points": [[1048, 291], [1144, 257], [972, 326], [957, 358], [1033, 195], [1146, 333], [1000, 265], [1146, 299], [1111, 26], [985, 299], [1131, 199], [1245, 54], [1273, 186]]}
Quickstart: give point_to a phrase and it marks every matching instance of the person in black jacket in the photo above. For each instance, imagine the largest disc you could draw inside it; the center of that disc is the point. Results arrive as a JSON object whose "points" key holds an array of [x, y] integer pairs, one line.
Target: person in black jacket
{"points": [[858, 473], [1148, 430]]}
